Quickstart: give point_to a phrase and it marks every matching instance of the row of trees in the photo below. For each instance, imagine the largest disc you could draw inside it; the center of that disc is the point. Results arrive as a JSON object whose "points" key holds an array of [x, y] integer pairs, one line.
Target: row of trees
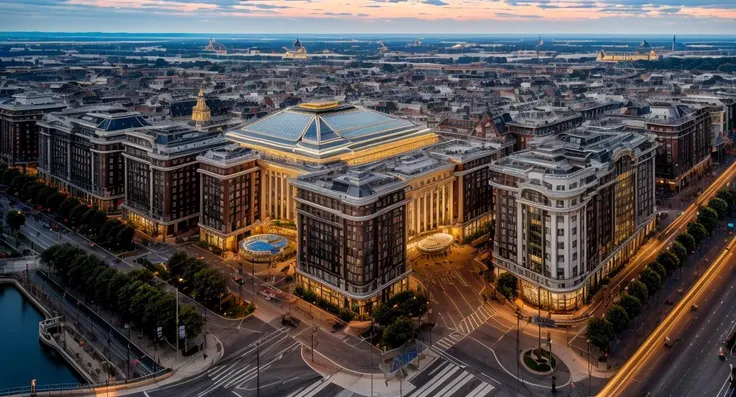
{"points": [[93, 223], [192, 276], [393, 319], [602, 331], [134, 296]]}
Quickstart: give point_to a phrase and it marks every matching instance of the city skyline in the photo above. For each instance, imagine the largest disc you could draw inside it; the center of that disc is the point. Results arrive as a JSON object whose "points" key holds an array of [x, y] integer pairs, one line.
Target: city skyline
{"points": [[371, 16]]}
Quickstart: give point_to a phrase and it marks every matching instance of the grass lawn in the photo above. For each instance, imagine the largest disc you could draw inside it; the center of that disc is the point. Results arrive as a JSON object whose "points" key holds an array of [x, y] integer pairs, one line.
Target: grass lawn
{"points": [[530, 359]]}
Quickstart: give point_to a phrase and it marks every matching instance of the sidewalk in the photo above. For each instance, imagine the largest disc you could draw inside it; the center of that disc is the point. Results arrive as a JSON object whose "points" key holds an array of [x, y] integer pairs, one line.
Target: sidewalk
{"points": [[364, 383], [183, 367]]}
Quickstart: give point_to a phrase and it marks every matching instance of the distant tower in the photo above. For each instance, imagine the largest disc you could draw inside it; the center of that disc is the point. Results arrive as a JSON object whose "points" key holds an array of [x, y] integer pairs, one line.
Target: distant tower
{"points": [[674, 37], [201, 113]]}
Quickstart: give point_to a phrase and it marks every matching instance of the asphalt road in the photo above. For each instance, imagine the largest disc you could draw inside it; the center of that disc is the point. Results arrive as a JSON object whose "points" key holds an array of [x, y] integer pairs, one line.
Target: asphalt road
{"points": [[692, 367]]}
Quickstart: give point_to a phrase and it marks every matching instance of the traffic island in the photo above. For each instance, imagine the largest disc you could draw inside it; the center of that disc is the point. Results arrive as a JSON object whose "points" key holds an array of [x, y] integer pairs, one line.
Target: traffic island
{"points": [[539, 364]]}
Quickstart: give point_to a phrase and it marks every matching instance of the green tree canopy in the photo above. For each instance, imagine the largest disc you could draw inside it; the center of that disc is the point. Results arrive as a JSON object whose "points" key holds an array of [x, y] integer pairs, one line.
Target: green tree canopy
{"points": [[15, 219], [659, 270], [669, 261], [191, 319], [708, 217], [398, 332], [651, 280], [720, 206], [54, 200], [9, 175], [618, 317], [76, 214], [66, 207], [680, 252], [687, 241], [209, 287], [698, 231], [638, 290], [727, 196], [600, 332], [507, 284], [631, 304]]}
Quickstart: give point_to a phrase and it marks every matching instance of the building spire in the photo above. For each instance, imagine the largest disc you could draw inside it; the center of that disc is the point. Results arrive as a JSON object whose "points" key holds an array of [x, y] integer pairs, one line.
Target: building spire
{"points": [[201, 113]]}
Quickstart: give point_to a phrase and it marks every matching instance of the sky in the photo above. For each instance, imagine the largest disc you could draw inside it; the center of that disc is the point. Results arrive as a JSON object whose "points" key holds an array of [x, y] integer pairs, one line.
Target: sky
{"points": [[372, 16]]}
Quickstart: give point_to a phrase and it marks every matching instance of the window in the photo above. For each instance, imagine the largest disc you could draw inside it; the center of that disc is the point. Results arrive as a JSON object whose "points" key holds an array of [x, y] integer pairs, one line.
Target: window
{"points": [[574, 231], [560, 258], [560, 204], [560, 232], [561, 245]]}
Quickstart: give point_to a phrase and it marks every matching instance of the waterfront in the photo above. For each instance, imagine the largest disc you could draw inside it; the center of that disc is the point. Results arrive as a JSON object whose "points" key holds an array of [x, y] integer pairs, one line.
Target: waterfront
{"points": [[24, 357]]}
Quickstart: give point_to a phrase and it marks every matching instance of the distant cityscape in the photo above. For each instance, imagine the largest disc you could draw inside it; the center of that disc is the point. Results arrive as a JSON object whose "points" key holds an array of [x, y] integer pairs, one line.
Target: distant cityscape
{"points": [[418, 199]]}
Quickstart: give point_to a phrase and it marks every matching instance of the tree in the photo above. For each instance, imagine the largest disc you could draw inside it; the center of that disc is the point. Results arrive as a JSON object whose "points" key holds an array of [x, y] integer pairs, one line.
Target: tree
{"points": [[97, 220], [507, 284], [125, 237], [698, 231], [76, 214], [680, 252], [142, 296], [631, 304], [66, 207], [687, 241], [42, 194], [638, 290], [708, 217], [651, 280], [15, 219], [720, 206], [209, 287], [142, 275], [669, 261], [16, 185], [161, 313], [30, 189], [9, 175], [398, 332], [118, 282], [618, 317], [125, 296], [102, 284], [727, 196], [54, 200], [600, 332], [192, 320]]}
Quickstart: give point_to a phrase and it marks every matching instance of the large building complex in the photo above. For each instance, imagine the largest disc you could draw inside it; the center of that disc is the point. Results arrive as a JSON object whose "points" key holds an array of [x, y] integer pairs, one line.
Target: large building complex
{"points": [[81, 152], [230, 195], [161, 178], [18, 132], [352, 237], [570, 209], [282, 170]]}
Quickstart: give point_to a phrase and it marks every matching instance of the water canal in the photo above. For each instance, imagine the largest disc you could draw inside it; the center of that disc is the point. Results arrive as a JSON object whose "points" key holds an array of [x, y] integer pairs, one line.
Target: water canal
{"points": [[22, 356]]}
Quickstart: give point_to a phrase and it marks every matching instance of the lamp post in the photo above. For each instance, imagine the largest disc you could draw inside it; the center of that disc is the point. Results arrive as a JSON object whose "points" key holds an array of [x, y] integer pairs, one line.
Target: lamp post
{"points": [[589, 369]]}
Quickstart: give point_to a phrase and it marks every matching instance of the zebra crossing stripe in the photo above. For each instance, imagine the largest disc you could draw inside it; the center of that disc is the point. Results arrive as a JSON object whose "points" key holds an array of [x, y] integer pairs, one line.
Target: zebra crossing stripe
{"points": [[481, 390], [437, 382], [439, 367], [214, 371], [458, 382]]}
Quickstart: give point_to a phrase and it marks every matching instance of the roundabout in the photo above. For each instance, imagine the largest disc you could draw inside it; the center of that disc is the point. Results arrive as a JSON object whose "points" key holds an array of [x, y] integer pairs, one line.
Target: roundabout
{"points": [[264, 248], [435, 243]]}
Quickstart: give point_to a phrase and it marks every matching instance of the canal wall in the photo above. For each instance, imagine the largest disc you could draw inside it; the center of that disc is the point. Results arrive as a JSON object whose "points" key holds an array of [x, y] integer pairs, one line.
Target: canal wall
{"points": [[43, 334]]}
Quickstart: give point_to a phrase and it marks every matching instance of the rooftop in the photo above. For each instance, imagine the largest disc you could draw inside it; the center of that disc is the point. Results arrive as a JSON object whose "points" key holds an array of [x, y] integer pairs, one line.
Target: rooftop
{"points": [[324, 130]]}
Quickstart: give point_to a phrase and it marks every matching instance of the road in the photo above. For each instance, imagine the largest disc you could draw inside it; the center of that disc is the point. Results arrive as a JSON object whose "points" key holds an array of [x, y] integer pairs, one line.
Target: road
{"points": [[691, 366]]}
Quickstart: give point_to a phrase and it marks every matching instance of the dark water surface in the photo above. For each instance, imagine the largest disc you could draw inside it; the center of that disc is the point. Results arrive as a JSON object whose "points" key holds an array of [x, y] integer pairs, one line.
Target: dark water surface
{"points": [[22, 356]]}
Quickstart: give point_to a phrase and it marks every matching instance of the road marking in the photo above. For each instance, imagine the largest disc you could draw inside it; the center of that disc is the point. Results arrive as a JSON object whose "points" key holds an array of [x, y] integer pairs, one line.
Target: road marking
{"points": [[436, 381], [456, 384], [483, 391]]}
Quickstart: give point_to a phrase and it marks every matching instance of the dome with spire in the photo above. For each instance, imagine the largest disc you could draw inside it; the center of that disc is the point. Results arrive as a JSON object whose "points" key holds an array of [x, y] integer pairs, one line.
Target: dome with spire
{"points": [[201, 112]]}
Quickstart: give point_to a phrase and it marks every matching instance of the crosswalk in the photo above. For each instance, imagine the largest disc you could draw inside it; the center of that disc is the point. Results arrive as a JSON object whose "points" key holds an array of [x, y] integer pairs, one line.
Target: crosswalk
{"points": [[445, 379], [311, 390], [466, 326], [241, 366], [475, 319], [449, 340]]}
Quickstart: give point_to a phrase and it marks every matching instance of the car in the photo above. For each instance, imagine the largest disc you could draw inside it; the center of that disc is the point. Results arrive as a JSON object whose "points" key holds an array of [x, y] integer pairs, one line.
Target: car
{"points": [[290, 321]]}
